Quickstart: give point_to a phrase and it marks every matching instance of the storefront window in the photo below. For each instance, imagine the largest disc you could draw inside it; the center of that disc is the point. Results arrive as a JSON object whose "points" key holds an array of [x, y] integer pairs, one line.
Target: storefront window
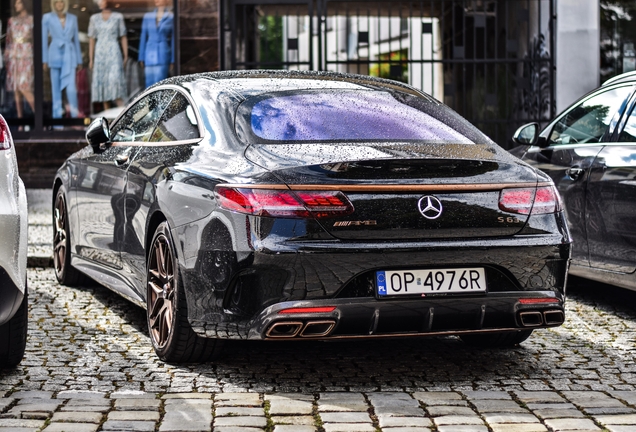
{"points": [[96, 55], [16, 77], [90, 62]]}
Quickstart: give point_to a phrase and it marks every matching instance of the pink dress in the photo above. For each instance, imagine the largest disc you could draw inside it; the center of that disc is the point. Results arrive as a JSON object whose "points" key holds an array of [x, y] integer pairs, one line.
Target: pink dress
{"points": [[19, 53]]}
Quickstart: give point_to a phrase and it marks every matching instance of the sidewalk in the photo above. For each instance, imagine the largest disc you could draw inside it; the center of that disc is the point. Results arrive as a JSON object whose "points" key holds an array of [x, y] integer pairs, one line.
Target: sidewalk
{"points": [[40, 249]]}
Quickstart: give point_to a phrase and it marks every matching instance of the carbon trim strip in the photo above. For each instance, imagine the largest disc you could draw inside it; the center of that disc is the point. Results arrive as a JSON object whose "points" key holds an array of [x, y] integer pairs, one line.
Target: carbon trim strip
{"points": [[389, 187], [414, 334]]}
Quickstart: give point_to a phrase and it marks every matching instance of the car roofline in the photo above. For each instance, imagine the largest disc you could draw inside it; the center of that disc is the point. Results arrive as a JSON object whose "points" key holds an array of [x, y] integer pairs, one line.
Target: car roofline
{"points": [[364, 80], [624, 77]]}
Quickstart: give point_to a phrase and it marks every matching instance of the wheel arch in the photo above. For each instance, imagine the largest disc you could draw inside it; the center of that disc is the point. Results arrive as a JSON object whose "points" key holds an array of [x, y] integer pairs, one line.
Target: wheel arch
{"points": [[153, 222], [57, 184]]}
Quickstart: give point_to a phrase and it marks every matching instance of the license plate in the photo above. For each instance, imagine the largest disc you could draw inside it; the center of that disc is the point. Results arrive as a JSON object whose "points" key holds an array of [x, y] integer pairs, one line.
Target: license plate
{"points": [[432, 281]]}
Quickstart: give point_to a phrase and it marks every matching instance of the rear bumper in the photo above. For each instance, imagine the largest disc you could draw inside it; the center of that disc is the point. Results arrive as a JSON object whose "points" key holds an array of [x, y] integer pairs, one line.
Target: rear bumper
{"points": [[241, 300], [369, 318]]}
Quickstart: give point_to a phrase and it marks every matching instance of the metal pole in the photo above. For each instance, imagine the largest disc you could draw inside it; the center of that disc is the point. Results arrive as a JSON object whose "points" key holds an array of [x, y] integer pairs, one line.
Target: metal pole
{"points": [[38, 74]]}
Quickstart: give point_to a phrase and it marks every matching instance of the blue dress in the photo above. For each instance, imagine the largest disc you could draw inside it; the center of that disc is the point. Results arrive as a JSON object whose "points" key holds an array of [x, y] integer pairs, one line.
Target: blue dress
{"points": [[156, 47], [63, 55], [64, 50], [108, 65]]}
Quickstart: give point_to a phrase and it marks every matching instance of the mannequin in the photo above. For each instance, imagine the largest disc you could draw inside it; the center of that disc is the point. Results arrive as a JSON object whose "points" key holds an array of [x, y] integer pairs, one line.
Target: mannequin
{"points": [[19, 57], [62, 55], [105, 58], [156, 48]]}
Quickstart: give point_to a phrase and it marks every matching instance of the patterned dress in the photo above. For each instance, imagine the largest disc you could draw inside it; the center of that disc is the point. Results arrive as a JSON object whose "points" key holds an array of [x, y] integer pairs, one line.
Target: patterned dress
{"points": [[19, 53], [108, 66]]}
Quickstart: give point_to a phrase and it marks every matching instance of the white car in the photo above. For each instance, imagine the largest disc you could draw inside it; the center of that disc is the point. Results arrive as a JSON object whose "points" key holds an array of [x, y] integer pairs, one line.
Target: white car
{"points": [[13, 255]]}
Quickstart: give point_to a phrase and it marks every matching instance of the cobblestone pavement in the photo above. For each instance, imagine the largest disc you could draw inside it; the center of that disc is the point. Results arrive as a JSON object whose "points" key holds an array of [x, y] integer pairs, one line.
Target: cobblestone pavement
{"points": [[89, 366]]}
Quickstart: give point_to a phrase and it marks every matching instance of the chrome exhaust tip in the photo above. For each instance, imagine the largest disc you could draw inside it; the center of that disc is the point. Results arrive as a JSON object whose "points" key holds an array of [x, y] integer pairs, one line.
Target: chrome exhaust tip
{"points": [[531, 318], [284, 329], [553, 317], [317, 328]]}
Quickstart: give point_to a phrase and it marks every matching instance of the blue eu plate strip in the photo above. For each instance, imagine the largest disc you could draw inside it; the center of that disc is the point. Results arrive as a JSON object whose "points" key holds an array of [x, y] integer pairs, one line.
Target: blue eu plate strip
{"points": [[380, 278]]}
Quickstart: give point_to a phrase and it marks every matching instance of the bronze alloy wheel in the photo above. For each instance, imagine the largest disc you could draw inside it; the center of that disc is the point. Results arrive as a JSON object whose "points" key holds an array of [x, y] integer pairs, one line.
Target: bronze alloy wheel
{"points": [[59, 236], [172, 337], [162, 296], [64, 272]]}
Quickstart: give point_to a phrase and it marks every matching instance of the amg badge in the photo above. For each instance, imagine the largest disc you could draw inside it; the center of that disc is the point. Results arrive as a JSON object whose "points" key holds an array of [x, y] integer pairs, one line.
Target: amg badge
{"points": [[354, 223]]}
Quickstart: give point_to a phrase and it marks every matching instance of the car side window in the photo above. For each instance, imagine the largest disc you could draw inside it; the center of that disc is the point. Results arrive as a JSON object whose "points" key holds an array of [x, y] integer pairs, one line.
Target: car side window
{"points": [[178, 122], [629, 131], [588, 121], [140, 120]]}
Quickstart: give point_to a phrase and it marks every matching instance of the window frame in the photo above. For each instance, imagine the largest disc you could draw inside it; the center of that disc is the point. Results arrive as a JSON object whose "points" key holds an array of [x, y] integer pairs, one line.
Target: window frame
{"points": [[178, 89], [151, 127], [610, 129], [163, 115], [630, 110]]}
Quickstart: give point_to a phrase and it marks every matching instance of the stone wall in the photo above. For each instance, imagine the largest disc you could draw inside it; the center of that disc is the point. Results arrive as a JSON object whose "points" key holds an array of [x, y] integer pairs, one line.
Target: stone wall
{"points": [[38, 160]]}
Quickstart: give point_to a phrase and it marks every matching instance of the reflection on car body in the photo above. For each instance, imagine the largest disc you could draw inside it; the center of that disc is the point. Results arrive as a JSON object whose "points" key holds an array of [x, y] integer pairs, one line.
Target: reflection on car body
{"points": [[269, 205], [590, 153]]}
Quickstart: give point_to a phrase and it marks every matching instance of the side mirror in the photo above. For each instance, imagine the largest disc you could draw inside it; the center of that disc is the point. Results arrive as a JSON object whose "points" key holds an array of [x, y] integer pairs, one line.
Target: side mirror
{"points": [[98, 133], [527, 134]]}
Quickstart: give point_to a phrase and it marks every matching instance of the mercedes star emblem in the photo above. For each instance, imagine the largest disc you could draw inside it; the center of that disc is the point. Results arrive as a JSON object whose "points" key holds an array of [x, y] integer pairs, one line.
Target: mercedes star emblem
{"points": [[430, 207]]}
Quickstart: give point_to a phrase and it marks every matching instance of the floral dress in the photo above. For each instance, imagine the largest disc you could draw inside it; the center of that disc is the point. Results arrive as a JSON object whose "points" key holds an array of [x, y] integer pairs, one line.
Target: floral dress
{"points": [[19, 54], [108, 66]]}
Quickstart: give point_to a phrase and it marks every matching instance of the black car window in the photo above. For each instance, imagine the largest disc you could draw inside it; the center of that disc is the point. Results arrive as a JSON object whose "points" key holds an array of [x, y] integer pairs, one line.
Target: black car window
{"points": [[629, 131], [178, 122], [588, 121], [138, 123]]}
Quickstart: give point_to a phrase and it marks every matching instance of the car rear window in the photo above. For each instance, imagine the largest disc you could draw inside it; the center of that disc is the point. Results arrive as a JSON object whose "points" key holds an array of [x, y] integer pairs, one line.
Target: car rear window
{"points": [[350, 115]]}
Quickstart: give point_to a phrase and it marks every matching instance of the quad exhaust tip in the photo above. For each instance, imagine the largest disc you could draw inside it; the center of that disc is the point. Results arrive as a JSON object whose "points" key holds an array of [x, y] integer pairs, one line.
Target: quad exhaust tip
{"points": [[531, 318], [291, 329], [288, 329], [553, 317], [317, 328], [537, 318]]}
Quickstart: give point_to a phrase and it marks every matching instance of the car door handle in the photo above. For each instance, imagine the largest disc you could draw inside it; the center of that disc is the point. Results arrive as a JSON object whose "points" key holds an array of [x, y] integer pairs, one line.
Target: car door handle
{"points": [[122, 158], [574, 173]]}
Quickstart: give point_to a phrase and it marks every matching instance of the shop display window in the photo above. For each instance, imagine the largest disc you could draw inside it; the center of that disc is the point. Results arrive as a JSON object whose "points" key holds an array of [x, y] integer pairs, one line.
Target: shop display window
{"points": [[94, 56], [16, 77]]}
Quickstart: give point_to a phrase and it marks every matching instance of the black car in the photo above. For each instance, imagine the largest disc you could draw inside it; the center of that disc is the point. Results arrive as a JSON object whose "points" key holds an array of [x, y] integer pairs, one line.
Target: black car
{"points": [[589, 151], [293, 205]]}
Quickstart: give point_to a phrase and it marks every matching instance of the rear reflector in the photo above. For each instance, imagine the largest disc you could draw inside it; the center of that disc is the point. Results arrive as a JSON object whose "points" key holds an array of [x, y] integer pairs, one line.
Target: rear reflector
{"points": [[322, 309], [538, 300], [284, 203], [542, 200], [5, 135]]}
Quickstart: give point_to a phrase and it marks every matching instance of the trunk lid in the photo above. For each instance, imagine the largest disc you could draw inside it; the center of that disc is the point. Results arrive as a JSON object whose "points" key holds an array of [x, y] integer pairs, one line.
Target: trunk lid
{"points": [[406, 192]]}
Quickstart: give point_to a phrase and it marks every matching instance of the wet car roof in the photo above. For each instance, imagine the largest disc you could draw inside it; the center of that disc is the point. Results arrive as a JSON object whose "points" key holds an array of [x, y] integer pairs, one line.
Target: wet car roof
{"points": [[253, 82]]}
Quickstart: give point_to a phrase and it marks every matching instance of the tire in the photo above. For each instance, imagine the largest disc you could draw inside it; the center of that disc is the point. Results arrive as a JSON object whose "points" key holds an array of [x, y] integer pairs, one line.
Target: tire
{"points": [[13, 336], [172, 338], [64, 272], [496, 340]]}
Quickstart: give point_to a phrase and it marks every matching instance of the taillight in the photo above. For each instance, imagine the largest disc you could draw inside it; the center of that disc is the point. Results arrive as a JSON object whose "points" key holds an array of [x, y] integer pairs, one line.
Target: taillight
{"points": [[5, 135], [284, 203], [542, 200], [547, 200]]}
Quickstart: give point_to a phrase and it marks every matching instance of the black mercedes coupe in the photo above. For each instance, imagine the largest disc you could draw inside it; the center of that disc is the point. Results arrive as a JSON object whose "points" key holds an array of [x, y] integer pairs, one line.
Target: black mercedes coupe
{"points": [[277, 205]]}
